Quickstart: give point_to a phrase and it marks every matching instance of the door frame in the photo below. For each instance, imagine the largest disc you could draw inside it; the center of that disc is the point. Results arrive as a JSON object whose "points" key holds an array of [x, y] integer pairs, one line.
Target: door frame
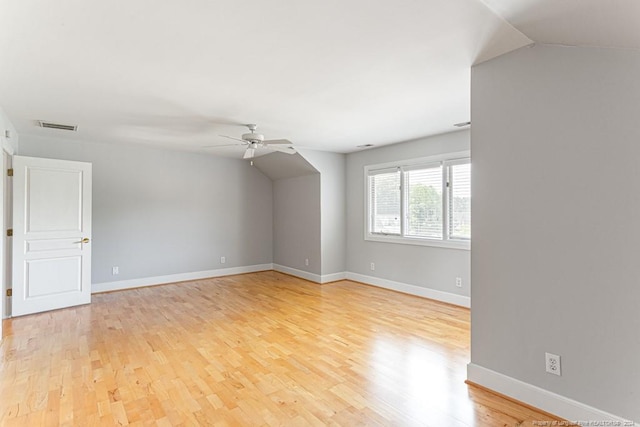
{"points": [[5, 221]]}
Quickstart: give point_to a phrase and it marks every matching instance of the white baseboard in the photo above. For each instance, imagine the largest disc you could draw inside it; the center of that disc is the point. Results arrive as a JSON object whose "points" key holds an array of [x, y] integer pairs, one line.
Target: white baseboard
{"points": [[312, 277], [317, 278], [298, 273], [172, 278], [406, 288], [537, 397], [334, 277]]}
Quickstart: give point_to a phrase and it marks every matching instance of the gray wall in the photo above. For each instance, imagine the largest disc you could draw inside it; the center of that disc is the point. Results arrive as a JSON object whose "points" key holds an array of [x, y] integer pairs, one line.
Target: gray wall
{"points": [[159, 212], [296, 223], [556, 178], [333, 223], [423, 266]]}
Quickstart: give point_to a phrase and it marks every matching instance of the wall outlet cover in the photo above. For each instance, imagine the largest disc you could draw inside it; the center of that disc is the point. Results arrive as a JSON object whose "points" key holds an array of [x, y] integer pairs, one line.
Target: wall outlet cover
{"points": [[552, 364]]}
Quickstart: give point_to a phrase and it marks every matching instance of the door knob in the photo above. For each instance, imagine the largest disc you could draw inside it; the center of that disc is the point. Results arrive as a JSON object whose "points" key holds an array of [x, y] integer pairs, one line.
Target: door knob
{"points": [[85, 240]]}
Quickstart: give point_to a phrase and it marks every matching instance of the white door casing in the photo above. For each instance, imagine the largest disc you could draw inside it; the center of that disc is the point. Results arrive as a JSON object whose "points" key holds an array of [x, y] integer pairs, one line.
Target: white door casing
{"points": [[4, 267], [51, 234]]}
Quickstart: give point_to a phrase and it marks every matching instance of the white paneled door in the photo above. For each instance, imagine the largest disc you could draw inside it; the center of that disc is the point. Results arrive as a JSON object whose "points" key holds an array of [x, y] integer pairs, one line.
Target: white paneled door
{"points": [[51, 234]]}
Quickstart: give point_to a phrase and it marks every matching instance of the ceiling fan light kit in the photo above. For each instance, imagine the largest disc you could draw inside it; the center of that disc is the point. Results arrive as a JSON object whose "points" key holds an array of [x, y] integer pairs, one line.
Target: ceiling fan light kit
{"points": [[249, 153]]}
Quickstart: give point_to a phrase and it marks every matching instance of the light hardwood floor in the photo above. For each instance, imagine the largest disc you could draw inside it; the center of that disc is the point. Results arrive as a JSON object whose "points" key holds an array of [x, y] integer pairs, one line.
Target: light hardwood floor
{"points": [[255, 349]]}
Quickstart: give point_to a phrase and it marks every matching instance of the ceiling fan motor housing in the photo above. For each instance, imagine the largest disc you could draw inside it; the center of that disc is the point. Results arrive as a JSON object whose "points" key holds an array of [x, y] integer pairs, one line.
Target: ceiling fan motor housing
{"points": [[253, 137]]}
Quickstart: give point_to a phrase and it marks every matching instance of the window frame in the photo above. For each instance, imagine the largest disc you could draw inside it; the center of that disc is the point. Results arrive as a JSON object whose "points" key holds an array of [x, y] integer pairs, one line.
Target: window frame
{"points": [[443, 160]]}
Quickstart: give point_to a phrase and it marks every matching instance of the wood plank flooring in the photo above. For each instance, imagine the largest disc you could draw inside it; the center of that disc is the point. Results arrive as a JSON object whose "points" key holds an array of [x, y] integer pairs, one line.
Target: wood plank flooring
{"points": [[250, 350]]}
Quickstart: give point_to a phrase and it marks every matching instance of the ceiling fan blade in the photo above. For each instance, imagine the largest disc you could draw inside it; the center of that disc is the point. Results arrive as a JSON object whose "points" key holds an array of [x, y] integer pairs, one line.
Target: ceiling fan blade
{"points": [[278, 142], [235, 139], [249, 153], [223, 145], [282, 148]]}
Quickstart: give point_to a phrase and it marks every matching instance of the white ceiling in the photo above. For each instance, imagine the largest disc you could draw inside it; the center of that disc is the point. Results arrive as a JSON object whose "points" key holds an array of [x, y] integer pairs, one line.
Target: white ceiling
{"points": [[595, 23], [327, 75]]}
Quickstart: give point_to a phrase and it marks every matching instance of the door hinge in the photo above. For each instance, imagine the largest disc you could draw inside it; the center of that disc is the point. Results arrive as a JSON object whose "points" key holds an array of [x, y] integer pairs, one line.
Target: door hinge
{"points": [[10, 172], [9, 232], [9, 292]]}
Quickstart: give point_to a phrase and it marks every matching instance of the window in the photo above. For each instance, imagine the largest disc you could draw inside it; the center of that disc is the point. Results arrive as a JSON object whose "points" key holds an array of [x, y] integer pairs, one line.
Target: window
{"points": [[385, 202], [424, 201]]}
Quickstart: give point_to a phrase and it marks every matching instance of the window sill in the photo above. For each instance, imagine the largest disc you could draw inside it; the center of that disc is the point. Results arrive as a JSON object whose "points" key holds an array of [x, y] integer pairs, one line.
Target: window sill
{"points": [[448, 244]]}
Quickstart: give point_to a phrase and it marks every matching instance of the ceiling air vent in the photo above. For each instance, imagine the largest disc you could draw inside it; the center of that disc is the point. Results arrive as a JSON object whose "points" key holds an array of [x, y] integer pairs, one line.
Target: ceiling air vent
{"points": [[57, 126]]}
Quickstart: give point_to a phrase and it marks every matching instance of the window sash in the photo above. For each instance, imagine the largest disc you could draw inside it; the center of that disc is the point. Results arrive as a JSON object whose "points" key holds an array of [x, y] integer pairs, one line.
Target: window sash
{"points": [[459, 200], [385, 195], [423, 202]]}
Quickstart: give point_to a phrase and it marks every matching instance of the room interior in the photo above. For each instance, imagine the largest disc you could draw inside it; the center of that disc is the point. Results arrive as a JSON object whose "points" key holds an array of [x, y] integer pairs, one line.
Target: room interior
{"points": [[550, 89]]}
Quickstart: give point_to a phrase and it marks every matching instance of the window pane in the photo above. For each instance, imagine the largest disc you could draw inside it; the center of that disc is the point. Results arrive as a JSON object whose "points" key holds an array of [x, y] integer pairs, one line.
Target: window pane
{"points": [[423, 190], [384, 202], [460, 202]]}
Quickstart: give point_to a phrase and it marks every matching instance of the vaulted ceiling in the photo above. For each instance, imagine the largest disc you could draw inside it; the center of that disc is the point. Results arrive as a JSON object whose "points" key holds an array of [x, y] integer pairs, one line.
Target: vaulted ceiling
{"points": [[327, 75]]}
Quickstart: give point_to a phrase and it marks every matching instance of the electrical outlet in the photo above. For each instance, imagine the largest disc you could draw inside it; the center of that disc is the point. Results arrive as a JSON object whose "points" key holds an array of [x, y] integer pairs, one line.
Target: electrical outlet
{"points": [[223, 260], [306, 261], [373, 266], [115, 271], [553, 364], [459, 282]]}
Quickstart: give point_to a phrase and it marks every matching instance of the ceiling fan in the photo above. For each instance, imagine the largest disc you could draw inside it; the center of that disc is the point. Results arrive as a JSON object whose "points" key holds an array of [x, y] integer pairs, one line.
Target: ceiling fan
{"points": [[254, 141]]}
